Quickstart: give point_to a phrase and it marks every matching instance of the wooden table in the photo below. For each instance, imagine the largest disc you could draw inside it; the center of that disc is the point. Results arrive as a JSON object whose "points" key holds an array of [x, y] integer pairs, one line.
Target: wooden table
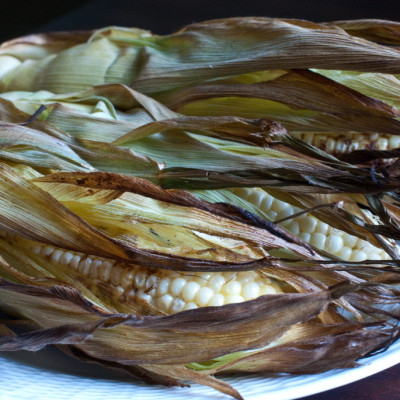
{"points": [[163, 16]]}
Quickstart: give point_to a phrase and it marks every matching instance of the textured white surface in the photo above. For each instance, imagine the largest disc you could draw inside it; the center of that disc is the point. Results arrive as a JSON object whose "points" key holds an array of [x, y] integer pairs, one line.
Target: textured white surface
{"points": [[49, 375]]}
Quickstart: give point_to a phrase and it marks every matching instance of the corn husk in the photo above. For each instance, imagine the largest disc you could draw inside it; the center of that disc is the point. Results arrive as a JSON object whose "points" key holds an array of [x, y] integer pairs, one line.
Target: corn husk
{"points": [[201, 51], [126, 145]]}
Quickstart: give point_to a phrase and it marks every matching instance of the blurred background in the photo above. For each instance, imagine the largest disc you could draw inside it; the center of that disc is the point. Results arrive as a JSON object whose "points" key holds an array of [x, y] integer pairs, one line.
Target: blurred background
{"points": [[21, 17]]}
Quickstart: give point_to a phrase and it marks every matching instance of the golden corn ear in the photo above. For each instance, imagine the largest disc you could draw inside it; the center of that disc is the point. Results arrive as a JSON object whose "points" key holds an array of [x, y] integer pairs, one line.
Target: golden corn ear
{"points": [[341, 143], [169, 291], [311, 230], [173, 291]]}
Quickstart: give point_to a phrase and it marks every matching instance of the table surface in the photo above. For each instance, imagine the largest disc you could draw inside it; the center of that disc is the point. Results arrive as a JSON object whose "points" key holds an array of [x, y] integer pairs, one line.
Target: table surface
{"points": [[166, 16]]}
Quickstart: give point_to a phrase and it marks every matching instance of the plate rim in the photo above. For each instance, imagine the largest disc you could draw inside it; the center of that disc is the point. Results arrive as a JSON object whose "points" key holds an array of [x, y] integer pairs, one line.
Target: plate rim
{"points": [[288, 387]]}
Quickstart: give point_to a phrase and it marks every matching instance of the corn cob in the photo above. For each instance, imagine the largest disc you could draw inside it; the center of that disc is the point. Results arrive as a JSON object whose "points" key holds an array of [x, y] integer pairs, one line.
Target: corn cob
{"points": [[305, 100], [169, 291], [343, 144], [312, 230], [172, 291]]}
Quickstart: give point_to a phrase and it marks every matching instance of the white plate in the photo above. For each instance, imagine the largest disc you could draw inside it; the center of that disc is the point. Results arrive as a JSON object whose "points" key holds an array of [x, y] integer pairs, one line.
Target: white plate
{"points": [[50, 375]]}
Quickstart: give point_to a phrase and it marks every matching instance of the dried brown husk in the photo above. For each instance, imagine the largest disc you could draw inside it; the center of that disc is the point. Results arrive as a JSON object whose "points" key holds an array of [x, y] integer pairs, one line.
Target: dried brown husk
{"points": [[284, 271], [196, 334], [94, 327], [123, 183], [68, 230], [376, 30], [307, 90], [185, 214], [66, 318], [335, 216], [321, 348], [180, 210]]}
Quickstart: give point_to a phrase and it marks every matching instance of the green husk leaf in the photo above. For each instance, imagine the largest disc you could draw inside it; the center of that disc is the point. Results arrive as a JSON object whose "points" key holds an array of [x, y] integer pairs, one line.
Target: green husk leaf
{"points": [[199, 52], [262, 44], [384, 87], [24, 145], [294, 120], [302, 89], [110, 158], [231, 128]]}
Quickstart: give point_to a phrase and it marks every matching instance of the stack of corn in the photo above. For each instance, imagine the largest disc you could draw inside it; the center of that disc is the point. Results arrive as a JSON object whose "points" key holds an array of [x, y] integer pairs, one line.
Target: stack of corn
{"points": [[185, 205]]}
